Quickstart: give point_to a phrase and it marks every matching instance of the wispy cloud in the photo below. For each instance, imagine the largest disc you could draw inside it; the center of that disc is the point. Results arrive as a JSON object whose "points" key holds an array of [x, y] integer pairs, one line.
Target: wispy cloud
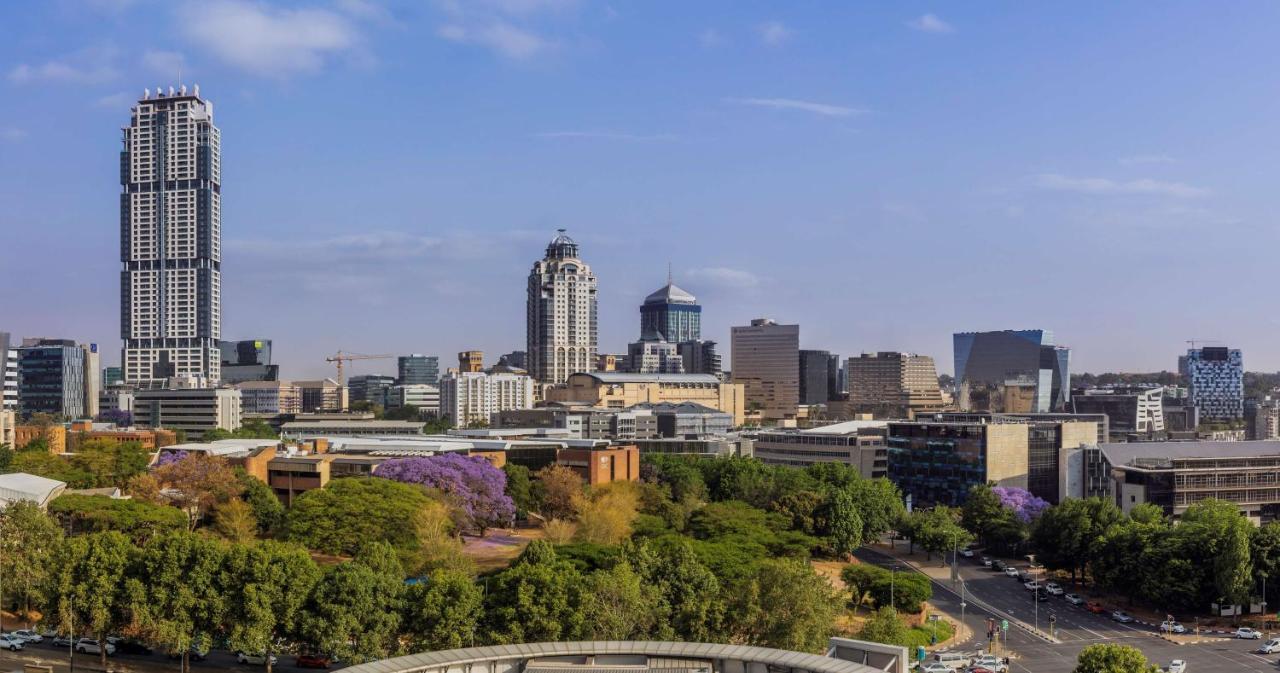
{"points": [[1145, 159], [116, 100], [502, 37], [370, 247], [774, 33], [502, 26], [725, 277], [930, 23], [12, 134], [270, 41], [168, 63], [605, 135], [824, 109], [1105, 186], [711, 38], [87, 66]]}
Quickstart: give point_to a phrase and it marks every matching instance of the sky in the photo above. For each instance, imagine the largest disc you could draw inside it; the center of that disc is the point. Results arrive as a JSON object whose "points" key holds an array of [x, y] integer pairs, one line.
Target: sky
{"points": [[883, 174]]}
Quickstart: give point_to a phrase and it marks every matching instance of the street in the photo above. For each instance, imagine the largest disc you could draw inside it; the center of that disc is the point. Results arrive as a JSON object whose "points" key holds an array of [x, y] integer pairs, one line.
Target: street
{"points": [[991, 594]]}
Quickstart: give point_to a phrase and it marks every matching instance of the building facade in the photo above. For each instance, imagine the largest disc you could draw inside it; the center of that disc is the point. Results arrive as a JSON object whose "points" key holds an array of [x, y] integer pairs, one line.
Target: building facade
{"points": [[423, 397], [700, 357], [171, 239], [269, 397], [617, 390], [417, 369], [247, 360], [471, 361], [671, 314], [766, 361], [819, 377], [322, 395], [561, 315], [859, 444], [1011, 371], [8, 373], [192, 410], [657, 356], [893, 385], [474, 397], [1215, 382], [370, 388], [92, 379], [51, 377], [1131, 411]]}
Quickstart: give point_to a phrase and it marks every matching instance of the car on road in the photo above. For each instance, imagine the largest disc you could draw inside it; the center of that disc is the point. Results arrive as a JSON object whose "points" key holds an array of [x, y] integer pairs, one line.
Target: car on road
{"points": [[92, 646], [991, 662], [1270, 647], [1053, 588], [967, 553], [1011, 571], [986, 561], [321, 661], [1031, 585], [1248, 633], [255, 659], [128, 646], [29, 636], [1042, 595], [998, 565], [1073, 599], [1177, 666], [1121, 616], [10, 642], [1171, 626], [1095, 607], [62, 641]]}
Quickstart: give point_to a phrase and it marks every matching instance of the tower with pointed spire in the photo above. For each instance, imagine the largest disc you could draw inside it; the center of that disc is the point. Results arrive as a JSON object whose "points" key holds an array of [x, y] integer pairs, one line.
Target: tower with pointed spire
{"points": [[561, 314], [670, 314]]}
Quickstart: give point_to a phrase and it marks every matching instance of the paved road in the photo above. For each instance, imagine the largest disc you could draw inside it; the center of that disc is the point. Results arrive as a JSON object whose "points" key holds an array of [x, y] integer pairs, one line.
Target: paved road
{"points": [[992, 594], [43, 653]]}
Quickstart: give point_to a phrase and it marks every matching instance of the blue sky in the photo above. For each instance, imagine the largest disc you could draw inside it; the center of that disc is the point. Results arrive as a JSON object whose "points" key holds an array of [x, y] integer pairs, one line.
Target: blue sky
{"points": [[883, 174]]}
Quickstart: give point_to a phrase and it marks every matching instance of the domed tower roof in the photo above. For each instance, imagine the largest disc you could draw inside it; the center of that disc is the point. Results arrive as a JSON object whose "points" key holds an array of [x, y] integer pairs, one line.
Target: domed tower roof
{"points": [[562, 247], [670, 294]]}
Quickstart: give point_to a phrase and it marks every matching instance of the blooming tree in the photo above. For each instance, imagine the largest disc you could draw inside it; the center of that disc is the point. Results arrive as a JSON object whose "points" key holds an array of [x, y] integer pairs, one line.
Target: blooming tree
{"points": [[1025, 506], [169, 457], [473, 483]]}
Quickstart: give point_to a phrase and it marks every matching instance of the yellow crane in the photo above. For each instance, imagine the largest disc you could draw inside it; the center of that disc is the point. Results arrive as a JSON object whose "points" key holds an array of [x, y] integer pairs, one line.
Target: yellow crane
{"points": [[339, 358]]}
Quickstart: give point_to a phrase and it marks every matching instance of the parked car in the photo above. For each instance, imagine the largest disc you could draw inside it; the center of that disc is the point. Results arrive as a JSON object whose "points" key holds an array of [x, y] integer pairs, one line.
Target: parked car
{"points": [[1053, 588], [1177, 666], [1248, 633], [1270, 647], [1024, 576], [1042, 595], [62, 641], [1031, 585], [986, 561], [1121, 616], [255, 659], [1095, 607], [991, 663], [1011, 571], [321, 661], [92, 646], [29, 636], [1073, 599], [134, 647], [1171, 626], [967, 553], [978, 669], [10, 642]]}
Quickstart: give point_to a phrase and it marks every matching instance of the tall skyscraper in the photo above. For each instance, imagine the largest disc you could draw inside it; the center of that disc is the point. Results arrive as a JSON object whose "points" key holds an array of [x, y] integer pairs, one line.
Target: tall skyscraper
{"points": [[766, 360], [1012, 371], [670, 314], [417, 369], [561, 314], [171, 239], [92, 379], [819, 376], [1215, 382]]}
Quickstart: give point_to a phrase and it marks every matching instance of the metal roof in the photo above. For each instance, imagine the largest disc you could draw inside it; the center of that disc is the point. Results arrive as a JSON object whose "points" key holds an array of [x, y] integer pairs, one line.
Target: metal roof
{"points": [[625, 377], [670, 294], [1119, 454]]}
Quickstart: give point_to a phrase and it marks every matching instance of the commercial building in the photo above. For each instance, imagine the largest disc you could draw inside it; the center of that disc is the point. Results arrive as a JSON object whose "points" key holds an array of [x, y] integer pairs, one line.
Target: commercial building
{"points": [[8, 373], [474, 397], [92, 379], [703, 447], [1215, 382], [149, 439], [370, 388], [51, 377], [617, 390], [322, 395], [608, 362], [471, 361], [1012, 371], [701, 357], [766, 361], [937, 462], [579, 422], [654, 356], [859, 444], [417, 369], [671, 314], [53, 436], [425, 398], [192, 410], [1262, 418], [116, 397], [1132, 412], [819, 377], [112, 376], [687, 419], [171, 239], [892, 385], [248, 360], [561, 314], [269, 397], [295, 430]]}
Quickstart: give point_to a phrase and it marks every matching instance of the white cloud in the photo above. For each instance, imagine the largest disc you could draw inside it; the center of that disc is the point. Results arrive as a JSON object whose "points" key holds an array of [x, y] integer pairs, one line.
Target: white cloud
{"points": [[1104, 186], [1144, 159], [272, 42], [930, 23], [726, 277], [502, 37], [774, 33], [12, 133], [116, 100], [87, 66], [824, 109], [711, 38], [168, 63], [371, 247], [605, 135]]}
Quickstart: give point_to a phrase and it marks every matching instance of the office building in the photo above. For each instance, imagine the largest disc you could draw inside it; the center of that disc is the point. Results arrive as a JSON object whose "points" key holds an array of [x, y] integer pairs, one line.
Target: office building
{"points": [[92, 379], [514, 360], [766, 361], [300, 430], [112, 376], [51, 377], [370, 388], [819, 377], [322, 395], [893, 385], [417, 369], [656, 356], [1012, 371], [618, 390], [269, 397], [561, 314], [470, 398], [1132, 412], [671, 314], [687, 419], [192, 410], [700, 357], [1262, 418], [171, 239], [118, 397], [423, 397], [1215, 382], [471, 361], [248, 360], [8, 373], [859, 444]]}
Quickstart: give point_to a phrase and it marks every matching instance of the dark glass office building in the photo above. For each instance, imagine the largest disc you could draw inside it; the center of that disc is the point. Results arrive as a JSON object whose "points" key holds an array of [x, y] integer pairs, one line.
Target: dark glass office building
{"points": [[248, 360], [671, 314], [52, 378], [416, 369], [1013, 371], [819, 377]]}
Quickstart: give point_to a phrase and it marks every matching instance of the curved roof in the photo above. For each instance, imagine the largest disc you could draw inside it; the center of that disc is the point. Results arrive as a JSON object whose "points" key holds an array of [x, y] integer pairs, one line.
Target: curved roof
{"points": [[562, 247], [431, 662], [670, 294]]}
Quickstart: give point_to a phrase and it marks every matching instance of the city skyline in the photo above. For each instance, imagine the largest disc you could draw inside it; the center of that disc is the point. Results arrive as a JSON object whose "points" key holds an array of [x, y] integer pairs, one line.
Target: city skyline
{"points": [[778, 126]]}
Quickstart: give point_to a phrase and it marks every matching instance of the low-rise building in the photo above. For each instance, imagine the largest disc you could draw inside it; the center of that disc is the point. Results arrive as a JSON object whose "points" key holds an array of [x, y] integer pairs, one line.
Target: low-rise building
{"points": [[54, 436], [192, 410], [617, 390], [150, 439], [1132, 412], [422, 396], [322, 395], [295, 430], [859, 444], [702, 447], [23, 487], [269, 397], [8, 424]]}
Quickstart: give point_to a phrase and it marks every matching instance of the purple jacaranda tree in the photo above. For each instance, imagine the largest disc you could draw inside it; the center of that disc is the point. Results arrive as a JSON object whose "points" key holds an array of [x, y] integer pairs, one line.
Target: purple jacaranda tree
{"points": [[167, 457], [472, 483], [120, 417], [1025, 506]]}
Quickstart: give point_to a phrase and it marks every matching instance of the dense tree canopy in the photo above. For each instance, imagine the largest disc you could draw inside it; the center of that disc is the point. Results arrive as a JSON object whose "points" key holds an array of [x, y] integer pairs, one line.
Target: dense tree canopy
{"points": [[348, 513], [472, 484]]}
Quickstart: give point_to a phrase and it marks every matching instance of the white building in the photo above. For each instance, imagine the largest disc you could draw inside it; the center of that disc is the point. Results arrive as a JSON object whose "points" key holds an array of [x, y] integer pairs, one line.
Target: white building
{"points": [[561, 314], [194, 410], [92, 379], [118, 396], [269, 397], [8, 373], [426, 398], [170, 239], [20, 486], [470, 397]]}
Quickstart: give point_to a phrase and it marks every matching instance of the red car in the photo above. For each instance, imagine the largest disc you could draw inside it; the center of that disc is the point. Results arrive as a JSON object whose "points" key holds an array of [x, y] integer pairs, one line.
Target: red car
{"points": [[311, 661], [1095, 607]]}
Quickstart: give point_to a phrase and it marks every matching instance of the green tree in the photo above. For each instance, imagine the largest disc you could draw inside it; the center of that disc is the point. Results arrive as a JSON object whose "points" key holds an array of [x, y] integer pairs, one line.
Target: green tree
{"points": [[177, 593], [44, 464], [982, 510], [846, 524], [1065, 535], [444, 612], [405, 412], [539, 598], [196, 483], [859, 578], [520, 488], [937, 530], [691, 594], [111, 463], [1227, 533], [907, 590], [354, 611], [234, 521], [86, 588], [618, 605], [879, 504], [28, 540], [1264, 551], [1113, 658], [255, 428], [884, 626], [268, 511], [266, 587], [138, 520], [786, 606], [347, 513]]}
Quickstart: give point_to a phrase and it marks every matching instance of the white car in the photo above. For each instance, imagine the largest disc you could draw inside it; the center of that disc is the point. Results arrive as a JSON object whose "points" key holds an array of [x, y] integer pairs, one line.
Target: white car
{"points": [[1053, 588], [1270, 647], [1031, 586], [1011, 571], [1172, 627], [11, 642], [92, 646], [967, 553], [991, 662], [1074, 599], [936, 667], [29, 636], [1247, 633], [1178, 666], [1121, 616], [255, 659]]}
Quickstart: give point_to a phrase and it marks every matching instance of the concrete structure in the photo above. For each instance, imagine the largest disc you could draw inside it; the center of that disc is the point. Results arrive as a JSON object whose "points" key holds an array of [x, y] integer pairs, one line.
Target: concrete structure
{"points": [[515, 360], [561, 314], [1012, 371], [116, 397], [608, 362], [269, 397], [859, 444], [892, 385], [193, 410], [602, 465], [819, 376], [322, 395], [581, 422], [687, 419], [701, 357], [671, 314], [92, 379], [1132, 412], [51, 377], [20, 487], [474, 397], [171, 239], [247, 360], [311, 429], [8, 424], [617, 390], [1098, 420], [654, 356], [1215, 382], [149, 439], [8, 373], [424, 397], [471, 361], [1262, 418], [766, 361], [54, 436], [703, 447], [417, 369]]}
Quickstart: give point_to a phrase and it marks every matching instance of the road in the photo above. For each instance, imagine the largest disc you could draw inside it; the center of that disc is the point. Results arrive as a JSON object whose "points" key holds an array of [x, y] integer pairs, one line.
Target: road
{"points": [[44, 653], [993, 595]]}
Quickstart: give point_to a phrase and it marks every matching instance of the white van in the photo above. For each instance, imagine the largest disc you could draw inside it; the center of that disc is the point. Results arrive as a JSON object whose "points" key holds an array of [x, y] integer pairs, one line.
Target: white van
{"points": [[953, 659]]}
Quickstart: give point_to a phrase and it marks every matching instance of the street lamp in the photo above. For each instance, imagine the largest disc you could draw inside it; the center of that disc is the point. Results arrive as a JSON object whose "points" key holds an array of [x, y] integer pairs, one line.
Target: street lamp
{"points": [[892, 574], [1035, 595]]}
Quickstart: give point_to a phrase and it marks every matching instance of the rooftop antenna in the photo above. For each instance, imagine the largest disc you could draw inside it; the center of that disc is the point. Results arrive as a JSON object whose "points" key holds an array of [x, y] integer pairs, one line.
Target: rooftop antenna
{"points": [[668, 273]]}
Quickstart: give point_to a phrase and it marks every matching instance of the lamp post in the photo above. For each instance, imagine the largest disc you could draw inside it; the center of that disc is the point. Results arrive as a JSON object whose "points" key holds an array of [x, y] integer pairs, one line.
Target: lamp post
{"points": [[1035, 594], [892, 574]]}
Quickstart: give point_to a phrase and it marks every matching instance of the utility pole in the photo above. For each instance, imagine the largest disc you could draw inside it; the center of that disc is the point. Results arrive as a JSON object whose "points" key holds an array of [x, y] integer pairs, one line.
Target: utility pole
{"points": [[892, 574]]}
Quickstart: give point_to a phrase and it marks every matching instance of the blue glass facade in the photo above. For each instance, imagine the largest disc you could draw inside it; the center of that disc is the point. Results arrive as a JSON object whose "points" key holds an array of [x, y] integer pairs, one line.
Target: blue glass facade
{"points": [[671, 314], [937, 463], [1012, 371], [51, 378]]}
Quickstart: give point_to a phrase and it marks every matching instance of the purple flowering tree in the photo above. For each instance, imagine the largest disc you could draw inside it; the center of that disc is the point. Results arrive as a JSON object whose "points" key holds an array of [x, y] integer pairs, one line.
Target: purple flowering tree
{"points": [[120, 417], [169, 457], [472, 483], [1025, 506]]}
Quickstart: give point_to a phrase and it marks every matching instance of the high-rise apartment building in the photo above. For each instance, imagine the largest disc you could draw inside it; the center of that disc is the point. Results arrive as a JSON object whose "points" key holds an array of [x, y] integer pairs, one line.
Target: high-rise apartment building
{"points": [[819, 376], [1215, 381], [171, 239], [472, 397], [671, 314], [51, 377], [893, 385], [417, 369], [654, 357], [561, 314], [766, 361], [1012, 371], [8, 373]]}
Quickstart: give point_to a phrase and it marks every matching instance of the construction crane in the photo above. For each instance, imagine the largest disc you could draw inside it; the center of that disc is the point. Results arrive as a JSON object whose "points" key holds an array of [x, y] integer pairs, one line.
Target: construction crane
{"points": [[339, 358]]}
